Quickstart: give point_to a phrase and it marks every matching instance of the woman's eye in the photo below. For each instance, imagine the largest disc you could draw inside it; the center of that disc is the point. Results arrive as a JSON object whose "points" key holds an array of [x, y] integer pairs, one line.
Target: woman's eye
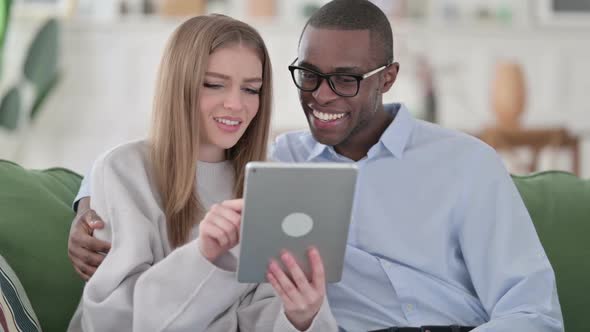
{"points": [[212, 85], [252, 91]]}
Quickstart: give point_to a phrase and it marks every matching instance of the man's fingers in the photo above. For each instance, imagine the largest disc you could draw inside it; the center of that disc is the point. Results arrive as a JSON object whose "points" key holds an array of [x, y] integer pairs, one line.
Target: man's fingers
{"points": [[83, 240], [83, 235], [82, 275], [92, 258], [93, 220], [84, 270], [87, 270], [83, 248], [96, 224], [85, 256], [96, 245]]}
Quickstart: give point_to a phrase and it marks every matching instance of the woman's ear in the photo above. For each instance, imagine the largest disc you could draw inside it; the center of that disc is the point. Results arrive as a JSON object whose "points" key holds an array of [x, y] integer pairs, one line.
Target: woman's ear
{"points": [[390, 74]]}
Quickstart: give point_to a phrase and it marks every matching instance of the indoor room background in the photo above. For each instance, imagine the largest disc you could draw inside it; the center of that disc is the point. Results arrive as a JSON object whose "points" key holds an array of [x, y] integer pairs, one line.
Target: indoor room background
{"points": [[77, 77]]}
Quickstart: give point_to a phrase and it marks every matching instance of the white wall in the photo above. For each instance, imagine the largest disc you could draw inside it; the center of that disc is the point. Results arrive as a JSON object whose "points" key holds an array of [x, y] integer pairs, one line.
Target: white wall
{"points": [[105, 94]]}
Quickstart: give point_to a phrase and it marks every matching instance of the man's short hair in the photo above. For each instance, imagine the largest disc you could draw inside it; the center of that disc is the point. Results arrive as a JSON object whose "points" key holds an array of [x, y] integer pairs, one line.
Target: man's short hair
{"points": [[357, 15]]}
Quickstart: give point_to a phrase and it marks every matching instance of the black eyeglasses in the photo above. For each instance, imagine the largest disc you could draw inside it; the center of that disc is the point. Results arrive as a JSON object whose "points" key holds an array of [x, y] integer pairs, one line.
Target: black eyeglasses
{"points": [[343, 84]]}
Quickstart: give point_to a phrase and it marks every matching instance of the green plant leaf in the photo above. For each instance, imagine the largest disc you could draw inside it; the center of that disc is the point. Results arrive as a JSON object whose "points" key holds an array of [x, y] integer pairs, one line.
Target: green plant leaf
{"points": [[10, 109], [41, 63], [40, 98]]}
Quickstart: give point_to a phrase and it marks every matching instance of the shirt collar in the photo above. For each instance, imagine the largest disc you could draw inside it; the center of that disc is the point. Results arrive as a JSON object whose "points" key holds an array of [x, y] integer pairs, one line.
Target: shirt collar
{"points": [[317, 149], [394, 138]]}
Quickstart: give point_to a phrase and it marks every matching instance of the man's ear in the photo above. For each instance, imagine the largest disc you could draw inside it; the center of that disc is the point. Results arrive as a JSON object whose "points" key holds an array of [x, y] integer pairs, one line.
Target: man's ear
{"points": [[390, 74]]}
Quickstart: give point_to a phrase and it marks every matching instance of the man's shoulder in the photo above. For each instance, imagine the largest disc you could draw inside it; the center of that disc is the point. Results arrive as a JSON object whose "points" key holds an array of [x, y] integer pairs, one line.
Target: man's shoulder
{"points": [[293, 146], [429, 133], [455, 148]]}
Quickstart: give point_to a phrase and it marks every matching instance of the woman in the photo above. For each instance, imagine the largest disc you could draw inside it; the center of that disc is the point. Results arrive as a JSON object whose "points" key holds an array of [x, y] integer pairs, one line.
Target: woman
{"points": [[171, 266]]}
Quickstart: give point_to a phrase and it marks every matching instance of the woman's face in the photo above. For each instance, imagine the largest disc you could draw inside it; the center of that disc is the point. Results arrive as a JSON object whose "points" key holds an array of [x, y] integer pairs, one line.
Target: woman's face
{"points": [[229, 99]]}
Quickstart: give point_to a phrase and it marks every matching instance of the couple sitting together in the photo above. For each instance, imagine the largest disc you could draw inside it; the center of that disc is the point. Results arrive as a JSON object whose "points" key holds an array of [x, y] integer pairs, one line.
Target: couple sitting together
{"points": [[439, 236]]}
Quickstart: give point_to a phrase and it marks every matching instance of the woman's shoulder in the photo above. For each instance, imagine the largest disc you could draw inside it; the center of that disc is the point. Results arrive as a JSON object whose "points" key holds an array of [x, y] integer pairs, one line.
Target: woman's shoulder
{"points": [[128, 162], [130, 155], [123, 174]]}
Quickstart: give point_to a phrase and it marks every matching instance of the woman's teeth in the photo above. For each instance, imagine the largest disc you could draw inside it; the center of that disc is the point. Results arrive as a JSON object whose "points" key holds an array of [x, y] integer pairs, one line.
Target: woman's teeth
{"points": [[227, 122], [328, 116]]}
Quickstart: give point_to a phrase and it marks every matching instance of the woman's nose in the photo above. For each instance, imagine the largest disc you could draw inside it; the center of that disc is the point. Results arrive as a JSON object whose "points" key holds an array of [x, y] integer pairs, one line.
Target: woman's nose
{"points": [[233, 100]]}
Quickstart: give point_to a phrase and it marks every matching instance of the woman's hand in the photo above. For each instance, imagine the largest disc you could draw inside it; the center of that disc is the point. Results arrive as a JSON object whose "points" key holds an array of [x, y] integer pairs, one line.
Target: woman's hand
{"points": [[219, 231], [301, 298]]}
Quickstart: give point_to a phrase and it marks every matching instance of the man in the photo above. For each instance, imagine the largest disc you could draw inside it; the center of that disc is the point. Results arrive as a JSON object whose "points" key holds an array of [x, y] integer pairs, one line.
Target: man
{"points": [[440, 235]]}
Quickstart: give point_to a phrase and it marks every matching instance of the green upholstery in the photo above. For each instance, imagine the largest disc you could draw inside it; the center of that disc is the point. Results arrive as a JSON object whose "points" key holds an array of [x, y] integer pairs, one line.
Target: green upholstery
{"points": [[559, 204], [34, 224], [35, 219]]}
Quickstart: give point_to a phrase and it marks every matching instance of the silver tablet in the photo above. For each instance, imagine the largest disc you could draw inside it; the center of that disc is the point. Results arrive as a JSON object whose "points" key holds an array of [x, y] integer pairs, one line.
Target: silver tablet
{"points": [[294, 206]]}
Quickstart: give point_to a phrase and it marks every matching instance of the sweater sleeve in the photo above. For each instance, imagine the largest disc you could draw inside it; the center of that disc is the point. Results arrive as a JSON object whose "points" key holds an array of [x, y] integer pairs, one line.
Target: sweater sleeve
{"points": [[186, 292], [123, 198], [204, 297]]}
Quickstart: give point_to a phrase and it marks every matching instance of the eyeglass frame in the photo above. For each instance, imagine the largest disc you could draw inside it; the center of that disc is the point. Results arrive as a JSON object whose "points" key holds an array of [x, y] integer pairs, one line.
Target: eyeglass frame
{"points": [[328, 77]]}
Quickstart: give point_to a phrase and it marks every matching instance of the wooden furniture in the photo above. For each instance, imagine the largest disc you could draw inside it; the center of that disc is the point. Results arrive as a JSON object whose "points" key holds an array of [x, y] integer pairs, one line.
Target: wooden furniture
{"points": [[508, 94], [262, 8], [535, 140], [183, 8]]}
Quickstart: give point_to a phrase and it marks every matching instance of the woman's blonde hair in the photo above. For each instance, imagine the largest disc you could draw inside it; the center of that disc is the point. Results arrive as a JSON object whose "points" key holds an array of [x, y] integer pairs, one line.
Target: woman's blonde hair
{"points": [[174, 136]]}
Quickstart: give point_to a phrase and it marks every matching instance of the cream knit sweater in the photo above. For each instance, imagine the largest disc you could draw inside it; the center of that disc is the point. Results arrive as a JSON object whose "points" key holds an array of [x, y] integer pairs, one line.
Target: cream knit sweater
{"points": [[143, 285]]}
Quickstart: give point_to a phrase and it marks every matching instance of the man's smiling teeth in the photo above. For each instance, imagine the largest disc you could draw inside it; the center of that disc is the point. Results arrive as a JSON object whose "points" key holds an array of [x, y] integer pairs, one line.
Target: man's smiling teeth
{"points": [[328, 116], [227, 122]]}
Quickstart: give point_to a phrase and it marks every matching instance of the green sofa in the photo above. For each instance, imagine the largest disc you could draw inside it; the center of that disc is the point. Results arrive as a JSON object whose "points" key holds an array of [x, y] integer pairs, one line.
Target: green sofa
{"points": [[35, 218]]}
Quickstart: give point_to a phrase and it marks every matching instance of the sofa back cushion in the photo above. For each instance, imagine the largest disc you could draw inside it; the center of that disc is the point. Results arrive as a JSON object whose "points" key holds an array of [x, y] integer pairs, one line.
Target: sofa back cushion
{"points": [[559, 204], [34, 227]]}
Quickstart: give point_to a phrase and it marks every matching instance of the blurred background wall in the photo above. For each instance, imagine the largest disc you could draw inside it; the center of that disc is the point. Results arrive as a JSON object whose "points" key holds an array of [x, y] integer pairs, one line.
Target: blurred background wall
{"points": [[514, 73]]}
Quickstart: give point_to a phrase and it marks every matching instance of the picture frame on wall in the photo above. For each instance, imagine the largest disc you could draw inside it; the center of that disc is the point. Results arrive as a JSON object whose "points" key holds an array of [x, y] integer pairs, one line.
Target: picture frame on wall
{"points": [[565, 13]]}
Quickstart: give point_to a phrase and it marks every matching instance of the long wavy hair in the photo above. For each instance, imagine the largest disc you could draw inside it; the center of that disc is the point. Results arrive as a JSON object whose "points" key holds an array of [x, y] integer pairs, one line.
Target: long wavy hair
{"points": [[174, 134]]}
